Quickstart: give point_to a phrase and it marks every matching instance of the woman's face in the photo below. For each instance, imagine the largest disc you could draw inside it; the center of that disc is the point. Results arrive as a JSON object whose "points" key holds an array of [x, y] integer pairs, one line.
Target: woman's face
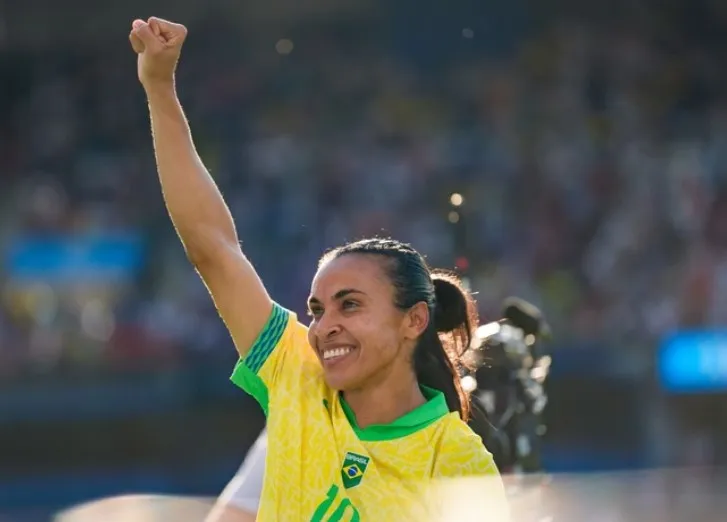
{"points": [[358, 333]]}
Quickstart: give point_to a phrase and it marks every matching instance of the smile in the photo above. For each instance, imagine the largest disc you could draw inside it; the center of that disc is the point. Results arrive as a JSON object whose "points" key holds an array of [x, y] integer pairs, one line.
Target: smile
{"points": [[333, 356], [334, 353]]}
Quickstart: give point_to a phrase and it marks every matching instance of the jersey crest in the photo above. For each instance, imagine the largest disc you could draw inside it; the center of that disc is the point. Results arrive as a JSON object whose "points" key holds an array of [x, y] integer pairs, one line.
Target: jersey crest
{"points": [[353, 469]]}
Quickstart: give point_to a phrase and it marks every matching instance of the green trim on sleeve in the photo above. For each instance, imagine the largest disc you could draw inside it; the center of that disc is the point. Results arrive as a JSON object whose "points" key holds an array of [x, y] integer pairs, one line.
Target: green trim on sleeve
{"points": [[245, 375], [268, 339], [253, 385]]}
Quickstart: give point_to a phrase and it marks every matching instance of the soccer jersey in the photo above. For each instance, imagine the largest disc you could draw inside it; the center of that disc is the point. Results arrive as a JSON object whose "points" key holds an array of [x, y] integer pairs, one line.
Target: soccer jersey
{"points": [[322, 467]]}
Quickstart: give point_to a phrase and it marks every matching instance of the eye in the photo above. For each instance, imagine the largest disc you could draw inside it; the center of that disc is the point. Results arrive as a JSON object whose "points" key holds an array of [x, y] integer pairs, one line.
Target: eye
{"points": [[315, 312], [349, 305]]}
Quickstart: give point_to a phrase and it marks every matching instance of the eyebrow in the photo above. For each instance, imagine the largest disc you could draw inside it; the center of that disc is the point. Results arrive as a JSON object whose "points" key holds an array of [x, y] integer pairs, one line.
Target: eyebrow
{"points": [[338, 295]]}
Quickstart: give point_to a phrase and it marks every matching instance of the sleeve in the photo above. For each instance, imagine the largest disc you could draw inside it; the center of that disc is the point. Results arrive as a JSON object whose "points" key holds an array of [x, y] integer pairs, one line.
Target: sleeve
{"points": [[245, 488], [280, 348], [462, 454]]}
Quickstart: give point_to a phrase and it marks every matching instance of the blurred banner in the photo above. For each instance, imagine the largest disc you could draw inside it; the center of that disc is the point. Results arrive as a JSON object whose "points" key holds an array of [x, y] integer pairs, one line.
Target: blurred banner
{"points": [[75, 259], [692, 362]]}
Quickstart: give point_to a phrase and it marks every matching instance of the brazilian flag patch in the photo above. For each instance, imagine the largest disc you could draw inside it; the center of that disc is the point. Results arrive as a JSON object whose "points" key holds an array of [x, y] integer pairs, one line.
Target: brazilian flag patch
{"points": [[353, 469]]}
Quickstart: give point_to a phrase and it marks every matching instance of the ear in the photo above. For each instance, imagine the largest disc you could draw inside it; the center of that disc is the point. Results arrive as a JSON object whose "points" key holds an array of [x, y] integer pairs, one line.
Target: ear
{"points": [[416, 320]]}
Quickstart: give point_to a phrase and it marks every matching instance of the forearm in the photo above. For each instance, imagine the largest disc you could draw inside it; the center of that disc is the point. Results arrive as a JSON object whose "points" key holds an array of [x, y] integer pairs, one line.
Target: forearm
{"points": [[193, 201]]}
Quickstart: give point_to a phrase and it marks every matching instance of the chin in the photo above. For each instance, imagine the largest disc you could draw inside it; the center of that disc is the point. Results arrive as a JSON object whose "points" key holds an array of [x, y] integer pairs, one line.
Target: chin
{"points": [[343, 380], [339, 382]]}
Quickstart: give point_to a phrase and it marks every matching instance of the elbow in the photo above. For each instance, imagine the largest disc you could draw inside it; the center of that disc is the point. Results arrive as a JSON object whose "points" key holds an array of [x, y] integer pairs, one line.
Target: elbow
{"points": [[198, 257], [200, 248], [209, 250]]}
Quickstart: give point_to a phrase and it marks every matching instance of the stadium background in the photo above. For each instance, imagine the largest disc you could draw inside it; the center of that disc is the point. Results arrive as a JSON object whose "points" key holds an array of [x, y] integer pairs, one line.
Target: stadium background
{"points": [[589, 143]]}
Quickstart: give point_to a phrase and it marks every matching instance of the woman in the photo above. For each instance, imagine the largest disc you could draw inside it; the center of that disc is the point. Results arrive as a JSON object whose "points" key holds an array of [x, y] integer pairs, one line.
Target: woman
{"points": [[364, 407]]}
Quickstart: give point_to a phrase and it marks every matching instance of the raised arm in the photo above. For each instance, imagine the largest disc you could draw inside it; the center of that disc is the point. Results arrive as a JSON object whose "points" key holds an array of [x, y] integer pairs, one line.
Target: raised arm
{"points": [[198, 211]]}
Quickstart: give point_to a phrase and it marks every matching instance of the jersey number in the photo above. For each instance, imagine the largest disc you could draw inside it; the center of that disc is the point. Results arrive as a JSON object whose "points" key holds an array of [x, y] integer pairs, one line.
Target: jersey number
{"points": [[343, 506]]}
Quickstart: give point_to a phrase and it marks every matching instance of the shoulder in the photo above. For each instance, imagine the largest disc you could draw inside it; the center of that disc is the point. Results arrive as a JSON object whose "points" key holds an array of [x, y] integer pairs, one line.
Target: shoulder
{"points": [[283, 337], [467, 484], [279, 361], [462, 452], [282, 328]]}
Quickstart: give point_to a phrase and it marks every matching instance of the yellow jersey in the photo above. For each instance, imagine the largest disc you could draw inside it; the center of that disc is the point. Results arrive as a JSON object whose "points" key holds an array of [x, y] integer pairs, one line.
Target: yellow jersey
{"points": [[322, 467]]}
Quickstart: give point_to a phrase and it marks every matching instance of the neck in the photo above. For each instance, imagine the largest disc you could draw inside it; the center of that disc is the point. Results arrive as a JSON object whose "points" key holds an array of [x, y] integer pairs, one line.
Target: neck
{"points": [[384, 402]]}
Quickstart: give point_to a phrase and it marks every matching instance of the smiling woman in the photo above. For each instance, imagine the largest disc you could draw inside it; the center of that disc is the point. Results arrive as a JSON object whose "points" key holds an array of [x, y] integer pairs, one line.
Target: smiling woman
{"points": [[382, 321], [364, 408], [366, 404]]}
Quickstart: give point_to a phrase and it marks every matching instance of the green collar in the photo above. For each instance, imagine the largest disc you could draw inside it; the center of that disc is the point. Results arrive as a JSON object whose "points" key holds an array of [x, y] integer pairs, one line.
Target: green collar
{"points": [[431, 411]]}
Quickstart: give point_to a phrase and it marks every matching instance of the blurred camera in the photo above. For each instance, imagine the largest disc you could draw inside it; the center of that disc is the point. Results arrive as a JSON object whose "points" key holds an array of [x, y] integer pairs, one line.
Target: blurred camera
{"points": [[507, 385]]}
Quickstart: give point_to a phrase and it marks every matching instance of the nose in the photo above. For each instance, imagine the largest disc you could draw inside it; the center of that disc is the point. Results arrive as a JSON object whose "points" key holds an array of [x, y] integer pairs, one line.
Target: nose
{"points": [[328, 328]]}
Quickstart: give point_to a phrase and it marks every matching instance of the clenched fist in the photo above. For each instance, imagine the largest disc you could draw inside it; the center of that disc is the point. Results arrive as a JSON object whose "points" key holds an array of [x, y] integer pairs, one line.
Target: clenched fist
{"points": [[158, 44]]}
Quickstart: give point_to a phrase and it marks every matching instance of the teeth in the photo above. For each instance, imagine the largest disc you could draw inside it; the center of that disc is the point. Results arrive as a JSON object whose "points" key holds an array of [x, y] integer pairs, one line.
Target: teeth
{"points": [[336, 352]]}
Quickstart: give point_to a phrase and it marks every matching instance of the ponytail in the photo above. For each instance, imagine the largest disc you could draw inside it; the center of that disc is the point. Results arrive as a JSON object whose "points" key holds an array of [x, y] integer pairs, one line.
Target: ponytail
{"points": [[437, 359]]}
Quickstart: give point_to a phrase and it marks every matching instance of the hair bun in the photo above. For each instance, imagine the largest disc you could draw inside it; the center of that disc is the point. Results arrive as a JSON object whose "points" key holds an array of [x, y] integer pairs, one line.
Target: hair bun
{"points": [[451, 311]]}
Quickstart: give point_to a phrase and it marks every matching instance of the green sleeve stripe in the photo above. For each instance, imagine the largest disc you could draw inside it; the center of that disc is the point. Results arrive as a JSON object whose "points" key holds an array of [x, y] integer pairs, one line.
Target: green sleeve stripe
{"points": [[268, 339], [252, 384]]}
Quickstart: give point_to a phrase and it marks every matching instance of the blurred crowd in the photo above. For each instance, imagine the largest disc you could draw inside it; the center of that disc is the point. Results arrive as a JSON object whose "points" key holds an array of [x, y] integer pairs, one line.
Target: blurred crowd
{"points": [[586, 171]]}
